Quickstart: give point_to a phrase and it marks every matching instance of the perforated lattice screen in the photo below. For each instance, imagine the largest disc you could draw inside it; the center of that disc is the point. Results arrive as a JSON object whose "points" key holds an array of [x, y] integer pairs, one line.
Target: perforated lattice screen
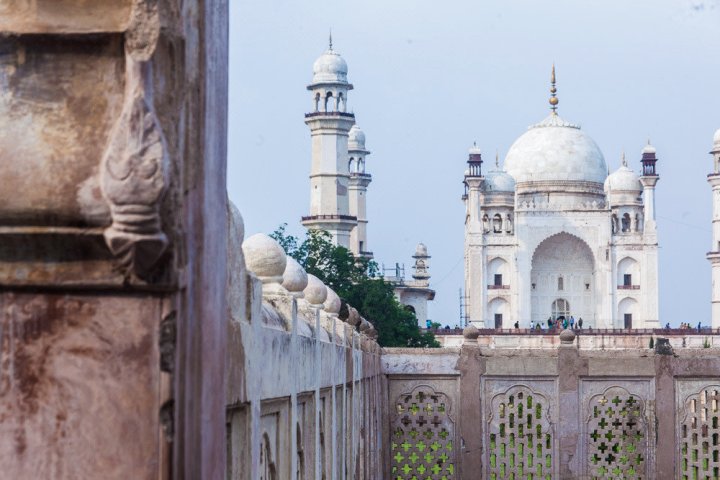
{"points": [[521, 440], [699, 436], [617, 436], [422, 443]]}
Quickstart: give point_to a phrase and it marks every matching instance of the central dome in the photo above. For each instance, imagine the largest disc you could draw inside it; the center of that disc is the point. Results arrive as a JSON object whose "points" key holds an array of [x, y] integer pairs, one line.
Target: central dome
{"points": [[555, 150]]}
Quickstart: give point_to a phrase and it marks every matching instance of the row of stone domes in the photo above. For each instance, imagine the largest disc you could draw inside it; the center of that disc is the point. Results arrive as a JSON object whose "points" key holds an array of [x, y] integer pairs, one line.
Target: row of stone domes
{"points": [[283, 275]]}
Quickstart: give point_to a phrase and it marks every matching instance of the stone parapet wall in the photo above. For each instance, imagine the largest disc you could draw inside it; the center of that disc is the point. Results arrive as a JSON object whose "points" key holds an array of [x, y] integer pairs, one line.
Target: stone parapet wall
{"points": [[560, 413], [590, 341], [306, 396]]}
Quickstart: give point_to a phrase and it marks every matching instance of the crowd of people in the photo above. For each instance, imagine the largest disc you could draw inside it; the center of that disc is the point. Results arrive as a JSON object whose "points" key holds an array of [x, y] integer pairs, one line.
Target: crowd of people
{"points": [[561, 323]]}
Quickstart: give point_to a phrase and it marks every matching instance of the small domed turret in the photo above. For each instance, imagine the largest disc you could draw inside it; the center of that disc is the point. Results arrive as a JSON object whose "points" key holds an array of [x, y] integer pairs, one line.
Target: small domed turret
{"points": [[330, 67], [356, 138], [623, 186]]}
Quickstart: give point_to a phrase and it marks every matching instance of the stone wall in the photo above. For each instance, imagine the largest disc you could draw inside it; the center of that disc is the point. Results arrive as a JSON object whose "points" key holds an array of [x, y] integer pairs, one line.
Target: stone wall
{"points": [[306, 396], [112, 308], [557, 412]]}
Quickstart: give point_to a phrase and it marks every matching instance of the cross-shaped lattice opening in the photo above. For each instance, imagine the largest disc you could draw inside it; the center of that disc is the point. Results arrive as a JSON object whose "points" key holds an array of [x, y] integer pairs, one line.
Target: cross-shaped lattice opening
{"points": [[616, 436], [422, 446]]}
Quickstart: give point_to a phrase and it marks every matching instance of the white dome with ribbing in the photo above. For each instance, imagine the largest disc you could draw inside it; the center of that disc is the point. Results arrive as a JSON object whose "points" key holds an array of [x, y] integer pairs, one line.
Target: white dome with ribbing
{"points": [[555, 150]]}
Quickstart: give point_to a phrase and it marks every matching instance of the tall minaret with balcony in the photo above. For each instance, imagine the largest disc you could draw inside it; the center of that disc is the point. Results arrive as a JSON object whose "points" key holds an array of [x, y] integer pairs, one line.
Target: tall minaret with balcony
{"points": [[474, 241], [714, 253], [359, 181], [649, 179], [330, 124]]}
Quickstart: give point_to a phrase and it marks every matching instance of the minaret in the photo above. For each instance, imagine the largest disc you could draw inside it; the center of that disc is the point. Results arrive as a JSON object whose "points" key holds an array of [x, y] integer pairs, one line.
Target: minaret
{"points": [[329, 124], [714, 253], [359, 181], [649, 179], [416, 294], [474, 243]]}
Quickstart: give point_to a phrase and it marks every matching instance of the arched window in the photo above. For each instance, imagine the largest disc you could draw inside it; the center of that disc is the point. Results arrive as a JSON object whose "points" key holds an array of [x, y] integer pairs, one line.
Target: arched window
{"points": [[561, 284], [340, 102], [351, 165], [361, 165], [560, 308], [626, 222], [328, 101], [638, 225], [628, 273], [486, 223], [508, 224], [317, 101], [497, 223], [614, 223]]}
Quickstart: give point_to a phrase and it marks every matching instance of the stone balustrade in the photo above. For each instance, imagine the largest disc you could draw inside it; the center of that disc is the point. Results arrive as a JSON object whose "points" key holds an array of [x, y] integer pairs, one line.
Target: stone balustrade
{"points": [[305, 390]]}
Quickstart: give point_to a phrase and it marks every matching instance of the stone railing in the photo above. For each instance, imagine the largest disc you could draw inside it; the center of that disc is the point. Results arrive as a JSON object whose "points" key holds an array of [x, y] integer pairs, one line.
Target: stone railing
{"points": [[470, 411], [602, 339], [305, 394]]}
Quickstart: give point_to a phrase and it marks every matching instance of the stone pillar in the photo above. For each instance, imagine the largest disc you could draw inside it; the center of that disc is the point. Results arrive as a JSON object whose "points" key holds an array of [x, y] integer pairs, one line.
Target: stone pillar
{"points": [[470, 422], [571, 367], [113, 238]]}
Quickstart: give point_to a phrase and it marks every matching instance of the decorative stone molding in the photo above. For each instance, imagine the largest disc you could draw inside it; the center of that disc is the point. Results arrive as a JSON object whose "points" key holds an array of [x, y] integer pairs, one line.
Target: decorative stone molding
{"points": [[133, 177]]}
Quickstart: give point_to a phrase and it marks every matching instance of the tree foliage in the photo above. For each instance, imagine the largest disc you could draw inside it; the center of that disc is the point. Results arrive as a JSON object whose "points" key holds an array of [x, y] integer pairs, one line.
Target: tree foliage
{"points": [[356, 281]]}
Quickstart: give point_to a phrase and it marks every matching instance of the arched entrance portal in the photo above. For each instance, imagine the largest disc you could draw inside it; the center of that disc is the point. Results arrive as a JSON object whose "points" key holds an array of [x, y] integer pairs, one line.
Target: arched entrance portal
{"points": [[560, 309], [562, 280]]}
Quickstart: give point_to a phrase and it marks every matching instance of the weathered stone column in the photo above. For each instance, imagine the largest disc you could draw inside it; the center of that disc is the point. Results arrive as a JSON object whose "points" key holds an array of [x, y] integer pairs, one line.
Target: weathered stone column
{"points": [[113, 238], [470, 422], [570, 368]]}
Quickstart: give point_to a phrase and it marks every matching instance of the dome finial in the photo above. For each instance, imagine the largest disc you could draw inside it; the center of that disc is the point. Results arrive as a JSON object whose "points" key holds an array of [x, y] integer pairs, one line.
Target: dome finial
{"points": [[330, 40], [624, 161], [497, 159], [553, 91]]}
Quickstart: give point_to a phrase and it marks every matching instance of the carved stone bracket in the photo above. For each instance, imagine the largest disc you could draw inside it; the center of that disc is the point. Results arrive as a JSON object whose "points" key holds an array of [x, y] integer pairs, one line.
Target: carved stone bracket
{"points": [[134, 176]]}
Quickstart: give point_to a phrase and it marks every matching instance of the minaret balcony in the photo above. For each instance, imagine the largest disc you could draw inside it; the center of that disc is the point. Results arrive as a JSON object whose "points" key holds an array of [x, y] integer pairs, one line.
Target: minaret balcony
{"points": [[311, 218], [329, 114]]}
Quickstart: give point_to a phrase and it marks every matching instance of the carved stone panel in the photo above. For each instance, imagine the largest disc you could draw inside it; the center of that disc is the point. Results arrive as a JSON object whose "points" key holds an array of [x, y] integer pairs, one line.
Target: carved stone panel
{"points": [[520, 439], [698, 429], [422, 433], [617, 422]]}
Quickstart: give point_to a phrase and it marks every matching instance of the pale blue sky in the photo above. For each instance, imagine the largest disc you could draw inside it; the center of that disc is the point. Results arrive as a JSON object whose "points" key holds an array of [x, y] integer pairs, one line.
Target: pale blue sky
{"points": [[432, 77]]}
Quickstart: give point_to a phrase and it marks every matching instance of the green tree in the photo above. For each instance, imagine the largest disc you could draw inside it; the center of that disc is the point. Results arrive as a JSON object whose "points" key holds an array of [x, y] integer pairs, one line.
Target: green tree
{"points": [[356, 281]]}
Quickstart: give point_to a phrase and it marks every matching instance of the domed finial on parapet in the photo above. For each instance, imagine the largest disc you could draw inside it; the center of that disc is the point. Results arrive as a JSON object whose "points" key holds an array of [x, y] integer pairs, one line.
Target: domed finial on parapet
{"points": [[365, 326], [332, 302], [624, 161], [567, 337], [330, 40], [315, 292], [353, 318], [470, 335], [267, 260], [553, 91], [295, 278]]}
